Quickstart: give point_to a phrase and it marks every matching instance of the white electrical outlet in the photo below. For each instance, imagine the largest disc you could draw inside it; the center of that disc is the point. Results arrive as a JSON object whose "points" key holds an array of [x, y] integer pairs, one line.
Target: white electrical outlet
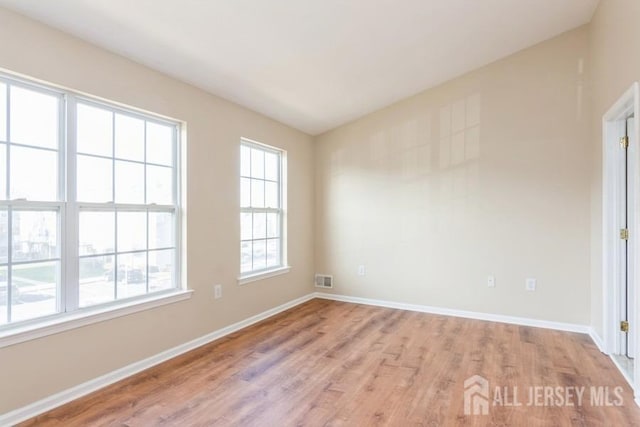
{"points": [[531, 284], [217, 291], [361, 270], [491, 282]]}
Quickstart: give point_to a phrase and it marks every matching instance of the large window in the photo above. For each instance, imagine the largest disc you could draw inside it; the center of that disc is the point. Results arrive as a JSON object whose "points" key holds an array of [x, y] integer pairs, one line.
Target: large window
{"points": [[261, 202], [88, 202]]}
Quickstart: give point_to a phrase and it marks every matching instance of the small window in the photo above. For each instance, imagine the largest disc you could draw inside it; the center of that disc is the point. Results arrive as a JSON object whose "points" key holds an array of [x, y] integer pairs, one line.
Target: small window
{"points": [[261, 208]]}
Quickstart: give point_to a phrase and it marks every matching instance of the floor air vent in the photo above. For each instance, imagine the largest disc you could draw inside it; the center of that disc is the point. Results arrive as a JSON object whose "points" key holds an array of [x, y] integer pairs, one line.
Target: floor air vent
{"points": [[324, 281]]}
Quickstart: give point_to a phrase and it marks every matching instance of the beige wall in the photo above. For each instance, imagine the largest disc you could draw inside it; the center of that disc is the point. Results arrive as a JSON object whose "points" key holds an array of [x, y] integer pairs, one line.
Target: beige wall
{"points": [[615, 65], [486, 174], [39, 368]]}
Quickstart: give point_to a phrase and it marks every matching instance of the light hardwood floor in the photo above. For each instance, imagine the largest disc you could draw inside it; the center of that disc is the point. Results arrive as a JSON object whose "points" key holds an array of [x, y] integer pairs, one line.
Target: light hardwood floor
{"points": [[333, 363]]}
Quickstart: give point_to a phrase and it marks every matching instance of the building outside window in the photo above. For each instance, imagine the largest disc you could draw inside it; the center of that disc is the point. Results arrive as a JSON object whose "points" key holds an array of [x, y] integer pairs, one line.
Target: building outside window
{"points": [[89, 203], [261, 208]]}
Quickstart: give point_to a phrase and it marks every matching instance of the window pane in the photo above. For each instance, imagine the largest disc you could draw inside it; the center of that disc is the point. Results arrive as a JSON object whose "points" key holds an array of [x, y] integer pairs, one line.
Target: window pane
{"points": [[246, 226], [245, 161], [159, 144], [4, 237], [129, 182], [161, 270], [34, 235], [95, 180], [129, 138], [259, 225], [161, 230], [95, 131], [271, 166], [132, 231], [33, 118], [96, 280], [259, 188], [159, 185], [271, 194], [259, 254], [257, 193], [132, 275], [257, 163], [3, 124], [97, 233], [273, 225], [245, 256], [3, 171], [245, 192], [37, 287], [34, 174], [6, 294], [273, 252]]}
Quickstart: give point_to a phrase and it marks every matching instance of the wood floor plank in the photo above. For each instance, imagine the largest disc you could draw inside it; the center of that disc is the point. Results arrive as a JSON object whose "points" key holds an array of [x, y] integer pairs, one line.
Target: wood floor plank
{"points": [[327, 363]]}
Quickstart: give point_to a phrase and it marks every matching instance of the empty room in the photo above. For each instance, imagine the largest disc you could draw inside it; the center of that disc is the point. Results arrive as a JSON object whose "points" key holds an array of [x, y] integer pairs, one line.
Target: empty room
{"points": [[319, 213]]}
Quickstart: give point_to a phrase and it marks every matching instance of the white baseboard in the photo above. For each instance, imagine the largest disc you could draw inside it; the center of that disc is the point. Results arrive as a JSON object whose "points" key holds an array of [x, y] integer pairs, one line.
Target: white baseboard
{"points": [[65, 396], [523, 321], [597, 340]]}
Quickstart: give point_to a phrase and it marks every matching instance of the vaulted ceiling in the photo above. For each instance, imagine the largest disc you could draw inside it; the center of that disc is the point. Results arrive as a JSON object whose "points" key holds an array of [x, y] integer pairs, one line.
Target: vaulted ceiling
{"points": [[312, 64]]}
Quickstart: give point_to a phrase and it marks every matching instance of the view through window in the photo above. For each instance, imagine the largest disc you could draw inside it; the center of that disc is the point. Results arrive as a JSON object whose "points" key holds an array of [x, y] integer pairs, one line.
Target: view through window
{"points": [[88, 202], [261, 219]]}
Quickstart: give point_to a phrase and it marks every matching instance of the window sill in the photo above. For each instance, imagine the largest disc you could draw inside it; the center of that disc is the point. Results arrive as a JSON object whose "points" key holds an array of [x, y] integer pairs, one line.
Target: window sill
{"points": [[243, 280], [66, 321]]}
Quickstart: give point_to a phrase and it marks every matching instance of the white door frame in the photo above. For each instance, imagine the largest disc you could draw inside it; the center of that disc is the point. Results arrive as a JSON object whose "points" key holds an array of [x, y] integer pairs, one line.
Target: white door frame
{"points": [[613, 123]]}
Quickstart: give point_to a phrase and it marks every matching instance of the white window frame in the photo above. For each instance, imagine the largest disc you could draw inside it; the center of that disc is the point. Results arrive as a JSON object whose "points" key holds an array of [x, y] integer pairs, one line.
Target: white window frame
{"points": [[282, 267], [10, 205], [117, 207], [68, 314]]}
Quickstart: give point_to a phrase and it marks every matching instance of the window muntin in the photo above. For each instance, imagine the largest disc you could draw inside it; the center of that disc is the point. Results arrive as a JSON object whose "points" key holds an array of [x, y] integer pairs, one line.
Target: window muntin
{"points": [[31, 205], [261, 213], [87, 216], [134, 252]]}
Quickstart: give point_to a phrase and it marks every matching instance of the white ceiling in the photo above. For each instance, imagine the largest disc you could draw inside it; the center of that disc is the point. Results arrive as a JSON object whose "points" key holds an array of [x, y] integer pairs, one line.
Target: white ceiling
{"points": [[312, 64]]}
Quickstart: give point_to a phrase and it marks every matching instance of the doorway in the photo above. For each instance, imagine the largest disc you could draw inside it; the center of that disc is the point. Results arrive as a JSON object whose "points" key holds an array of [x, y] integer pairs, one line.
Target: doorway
{"points": [[621, 233], [626, 351]]}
